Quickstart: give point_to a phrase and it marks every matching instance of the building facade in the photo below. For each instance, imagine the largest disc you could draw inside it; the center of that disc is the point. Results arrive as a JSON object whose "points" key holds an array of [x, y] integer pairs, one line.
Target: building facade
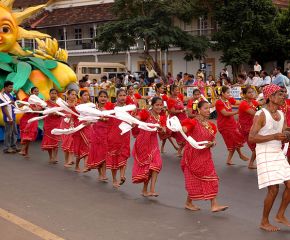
{"points": [[74, 22]]}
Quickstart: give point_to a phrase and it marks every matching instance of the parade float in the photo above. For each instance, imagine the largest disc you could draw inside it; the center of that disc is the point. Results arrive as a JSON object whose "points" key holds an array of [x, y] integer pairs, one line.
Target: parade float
{"points": [[44, 67]]}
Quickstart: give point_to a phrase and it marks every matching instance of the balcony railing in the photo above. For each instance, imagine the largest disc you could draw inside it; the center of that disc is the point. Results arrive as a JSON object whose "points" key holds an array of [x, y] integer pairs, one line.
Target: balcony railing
{"points": [[89, 45]]}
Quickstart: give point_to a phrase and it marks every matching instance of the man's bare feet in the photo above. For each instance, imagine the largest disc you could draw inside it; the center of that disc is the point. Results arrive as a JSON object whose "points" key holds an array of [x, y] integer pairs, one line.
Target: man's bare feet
{"points": [[282, 220], [219, 208], [244, 158], [269, 228], [191, 207]]}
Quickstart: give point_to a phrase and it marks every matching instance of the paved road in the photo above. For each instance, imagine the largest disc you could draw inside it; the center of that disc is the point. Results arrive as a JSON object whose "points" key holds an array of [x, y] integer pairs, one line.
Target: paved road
{"points": [[77, 207]]}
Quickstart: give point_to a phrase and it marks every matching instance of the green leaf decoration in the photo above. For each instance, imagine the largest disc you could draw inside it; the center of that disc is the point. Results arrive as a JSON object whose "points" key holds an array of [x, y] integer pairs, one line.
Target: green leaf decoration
{"points": [[38, 61], [22, 75], [10, 76], [6, 67], [50, 64], [46, 72], [2, 79], [27, 86], [40, 124], [5, 58]]}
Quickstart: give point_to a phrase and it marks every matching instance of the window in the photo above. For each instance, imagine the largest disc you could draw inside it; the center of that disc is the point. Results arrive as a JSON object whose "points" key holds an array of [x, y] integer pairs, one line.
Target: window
{"points": [[110, 70], [92, 35], [91, 70], [202, 26], [78, 36]]}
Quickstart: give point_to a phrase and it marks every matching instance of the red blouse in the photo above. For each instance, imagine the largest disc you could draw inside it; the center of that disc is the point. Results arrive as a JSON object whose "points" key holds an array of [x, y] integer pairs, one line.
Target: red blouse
{"points": [[246, 119], [225, 122]]}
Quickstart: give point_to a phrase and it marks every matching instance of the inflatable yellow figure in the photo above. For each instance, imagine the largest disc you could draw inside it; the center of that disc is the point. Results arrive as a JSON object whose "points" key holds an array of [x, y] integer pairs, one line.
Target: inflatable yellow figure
{"points": [[43, 68]]}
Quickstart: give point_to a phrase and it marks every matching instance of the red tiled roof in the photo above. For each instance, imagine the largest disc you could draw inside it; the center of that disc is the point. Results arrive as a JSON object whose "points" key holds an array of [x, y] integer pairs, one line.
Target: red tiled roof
{"points": [[74, 15], [281, 3], [27, 3]]}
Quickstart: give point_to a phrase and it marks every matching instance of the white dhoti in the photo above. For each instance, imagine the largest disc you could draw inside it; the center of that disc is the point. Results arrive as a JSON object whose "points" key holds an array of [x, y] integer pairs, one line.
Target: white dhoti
{"points": [[272, 166]]}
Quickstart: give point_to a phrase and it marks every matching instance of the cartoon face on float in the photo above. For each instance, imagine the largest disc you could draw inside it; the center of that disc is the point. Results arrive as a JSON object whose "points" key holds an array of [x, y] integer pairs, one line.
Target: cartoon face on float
{"points": [[44, 67], [8, 30]]}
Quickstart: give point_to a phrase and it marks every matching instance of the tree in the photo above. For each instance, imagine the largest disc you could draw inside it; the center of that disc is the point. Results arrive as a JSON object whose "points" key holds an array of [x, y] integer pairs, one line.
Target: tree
{"points": [[151, 24], [282, 22], [247, 32]]}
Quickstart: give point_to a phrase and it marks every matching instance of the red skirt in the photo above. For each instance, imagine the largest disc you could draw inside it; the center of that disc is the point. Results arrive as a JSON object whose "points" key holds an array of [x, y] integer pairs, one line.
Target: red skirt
{"points": [[81, 142], [118, 146], [245, 134], [165, 135], [28, 131], [232, 138], [147, 157], [50, 141], [201, 180], [67, 140], [99, 145]]}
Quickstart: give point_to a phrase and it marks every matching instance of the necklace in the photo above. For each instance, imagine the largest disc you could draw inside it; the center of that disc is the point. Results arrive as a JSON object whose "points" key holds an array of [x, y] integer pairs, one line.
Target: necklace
{"points": [[227, 104], [206, 125], [157, 118]]}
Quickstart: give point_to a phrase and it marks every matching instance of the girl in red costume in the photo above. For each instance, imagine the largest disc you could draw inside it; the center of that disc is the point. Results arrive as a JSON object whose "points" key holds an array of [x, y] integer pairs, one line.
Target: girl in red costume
{"points": [[147, 159], [193, 102], [286, 110], [67, 122], [201, 180], [164, 135], [99, 141], [247, 111], [228, 126], [176, 108], [82, 138], [133, 98], [50, 142], [28, 131], [118, 145]]}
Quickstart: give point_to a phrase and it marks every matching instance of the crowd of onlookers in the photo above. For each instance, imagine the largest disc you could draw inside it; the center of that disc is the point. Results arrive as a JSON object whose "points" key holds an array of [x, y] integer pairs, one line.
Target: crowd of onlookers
{"points": [[256, 77]]}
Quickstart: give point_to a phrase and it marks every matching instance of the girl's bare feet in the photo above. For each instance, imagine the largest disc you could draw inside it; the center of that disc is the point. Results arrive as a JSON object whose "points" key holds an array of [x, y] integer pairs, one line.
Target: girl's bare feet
{"points": [[67, 165], [244, 158], [116, 185], [191, 207], [219, 208], [230, 163], [144, 194], [269, 228], [153, 194], [78, 170], [252, 166], [282, 220]]}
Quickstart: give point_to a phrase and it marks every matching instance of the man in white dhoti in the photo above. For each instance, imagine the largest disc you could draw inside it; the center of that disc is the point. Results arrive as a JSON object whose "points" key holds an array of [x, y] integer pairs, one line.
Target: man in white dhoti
{"points": [[268, 132]]}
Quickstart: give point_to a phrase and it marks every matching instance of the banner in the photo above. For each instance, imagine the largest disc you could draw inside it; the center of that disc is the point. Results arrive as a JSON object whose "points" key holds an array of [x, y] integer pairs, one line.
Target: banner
{"points": [[236, 92], [189, 91]]}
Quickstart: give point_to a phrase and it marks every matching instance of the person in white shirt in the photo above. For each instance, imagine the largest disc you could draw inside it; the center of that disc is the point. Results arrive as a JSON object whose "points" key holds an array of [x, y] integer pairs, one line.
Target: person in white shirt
{"points": [[257, 81], [266, 78], [250, 79], [257, 67], [105, 83]]}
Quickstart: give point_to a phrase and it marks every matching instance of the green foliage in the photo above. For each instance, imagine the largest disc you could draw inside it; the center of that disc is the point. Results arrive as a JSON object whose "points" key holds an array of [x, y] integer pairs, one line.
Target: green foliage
{"points": [[248, 32], [151, 23]]}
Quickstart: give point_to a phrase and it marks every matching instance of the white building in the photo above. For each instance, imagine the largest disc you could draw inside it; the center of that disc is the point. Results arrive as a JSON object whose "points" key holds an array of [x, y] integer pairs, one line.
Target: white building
{"points": [[73, 23]]}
